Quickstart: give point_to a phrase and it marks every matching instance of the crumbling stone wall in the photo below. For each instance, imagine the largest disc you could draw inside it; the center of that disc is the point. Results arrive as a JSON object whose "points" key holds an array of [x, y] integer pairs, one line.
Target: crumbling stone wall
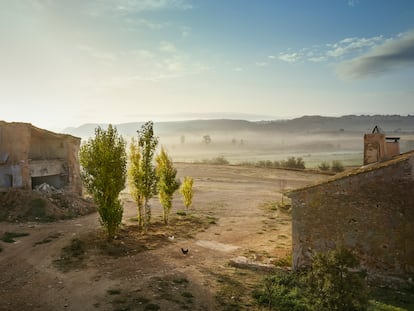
{"points": [[371, 212], [378, 147], [27, 152], [14, 146]]}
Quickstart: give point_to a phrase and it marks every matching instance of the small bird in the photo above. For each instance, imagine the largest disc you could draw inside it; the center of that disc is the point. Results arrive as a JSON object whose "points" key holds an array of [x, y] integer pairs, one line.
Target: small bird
{"points": [[171, 237], [185, 251]]}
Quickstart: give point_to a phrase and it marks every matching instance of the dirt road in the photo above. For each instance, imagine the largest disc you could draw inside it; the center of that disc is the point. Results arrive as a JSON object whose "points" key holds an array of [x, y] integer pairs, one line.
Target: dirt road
{"points": [[161, 278]]}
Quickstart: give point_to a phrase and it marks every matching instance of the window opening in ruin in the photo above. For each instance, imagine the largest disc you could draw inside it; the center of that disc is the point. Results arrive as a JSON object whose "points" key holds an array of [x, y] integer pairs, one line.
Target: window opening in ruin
{"points": [[3, 158], [7, 180], [52, 180]]}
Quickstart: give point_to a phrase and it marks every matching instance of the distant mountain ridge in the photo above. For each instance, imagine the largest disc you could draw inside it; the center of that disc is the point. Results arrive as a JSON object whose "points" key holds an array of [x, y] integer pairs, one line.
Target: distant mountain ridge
{"points": [[306, 124]]}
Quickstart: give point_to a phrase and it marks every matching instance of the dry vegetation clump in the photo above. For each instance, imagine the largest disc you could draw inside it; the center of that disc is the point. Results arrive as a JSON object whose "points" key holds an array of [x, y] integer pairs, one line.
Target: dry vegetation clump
{"points": [[9, 237]]}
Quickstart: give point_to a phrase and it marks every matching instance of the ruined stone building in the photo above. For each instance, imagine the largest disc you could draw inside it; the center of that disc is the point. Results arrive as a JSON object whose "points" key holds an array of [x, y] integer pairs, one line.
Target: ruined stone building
{"points": [[369, 210], [30, 156], [378, 147]]}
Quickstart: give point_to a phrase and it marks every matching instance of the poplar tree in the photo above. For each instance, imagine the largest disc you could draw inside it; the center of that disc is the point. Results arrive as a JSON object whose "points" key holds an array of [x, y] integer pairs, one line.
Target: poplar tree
{"points": [[135, 178], [103, 161], [187, 191], [147, 143], [167, 183]]}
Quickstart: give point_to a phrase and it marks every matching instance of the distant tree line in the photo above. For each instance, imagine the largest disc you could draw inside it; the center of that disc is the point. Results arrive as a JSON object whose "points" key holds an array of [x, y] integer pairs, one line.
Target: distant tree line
{"points": [[336, 166], [220, 160], [291, 162]]}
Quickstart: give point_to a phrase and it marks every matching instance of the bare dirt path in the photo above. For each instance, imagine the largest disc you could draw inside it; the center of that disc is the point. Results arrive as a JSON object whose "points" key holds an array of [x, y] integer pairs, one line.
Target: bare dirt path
{"points": [[162, 278]]}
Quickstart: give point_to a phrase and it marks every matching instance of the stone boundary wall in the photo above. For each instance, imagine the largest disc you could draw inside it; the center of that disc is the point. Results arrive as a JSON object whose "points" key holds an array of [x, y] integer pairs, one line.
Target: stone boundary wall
{"points": [[371, 213]]}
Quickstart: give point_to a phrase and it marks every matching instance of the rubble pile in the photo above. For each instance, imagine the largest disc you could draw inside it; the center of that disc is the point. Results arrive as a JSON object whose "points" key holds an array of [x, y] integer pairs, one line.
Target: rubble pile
{"points": [[44, 203], [47, 189]]}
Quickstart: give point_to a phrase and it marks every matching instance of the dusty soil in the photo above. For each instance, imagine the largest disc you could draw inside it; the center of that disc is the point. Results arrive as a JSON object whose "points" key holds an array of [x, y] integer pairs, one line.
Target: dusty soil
{"points": [[234, 210]]}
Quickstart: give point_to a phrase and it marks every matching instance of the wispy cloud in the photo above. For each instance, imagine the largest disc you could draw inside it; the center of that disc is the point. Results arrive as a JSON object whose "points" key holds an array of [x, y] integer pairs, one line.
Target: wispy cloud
{"points": [[290, 57], [167, 47], [392, 54], [358, 58], [352, 45], [261, 64], [163, 70], [145, 23], [125, 7], [185, 31], [100, 55], [353, 2], [340, 50]]}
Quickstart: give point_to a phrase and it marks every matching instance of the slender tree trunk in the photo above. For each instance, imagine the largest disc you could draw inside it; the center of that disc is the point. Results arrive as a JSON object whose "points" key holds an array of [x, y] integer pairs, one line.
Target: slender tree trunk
{"points": [[147, 215], [140, 216]]}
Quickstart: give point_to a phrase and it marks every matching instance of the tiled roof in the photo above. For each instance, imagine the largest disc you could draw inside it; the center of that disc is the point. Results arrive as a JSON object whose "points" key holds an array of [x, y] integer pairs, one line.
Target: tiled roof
{"points": [[363, 169]]}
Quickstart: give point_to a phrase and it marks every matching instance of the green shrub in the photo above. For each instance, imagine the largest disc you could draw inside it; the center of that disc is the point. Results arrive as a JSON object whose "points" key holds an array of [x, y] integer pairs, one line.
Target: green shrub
{"points": [[282, 292], [337, 166], [221, 160], [334, 282], [293, 162], [324, 166]]}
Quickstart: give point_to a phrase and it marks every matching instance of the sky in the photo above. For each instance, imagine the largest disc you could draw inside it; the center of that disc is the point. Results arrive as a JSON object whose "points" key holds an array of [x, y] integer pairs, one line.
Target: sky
{"points": [[66, 63]]}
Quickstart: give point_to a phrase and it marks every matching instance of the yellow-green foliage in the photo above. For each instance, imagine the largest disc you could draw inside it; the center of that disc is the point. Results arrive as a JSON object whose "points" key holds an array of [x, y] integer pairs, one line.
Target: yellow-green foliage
{"points": [[167, 184], [103, 160], [135, 175], [147, 143], [187, 191]]}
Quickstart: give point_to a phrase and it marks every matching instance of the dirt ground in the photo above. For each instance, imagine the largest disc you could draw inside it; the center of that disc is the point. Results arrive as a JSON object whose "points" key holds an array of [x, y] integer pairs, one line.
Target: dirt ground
{"points": [[235, 205]]}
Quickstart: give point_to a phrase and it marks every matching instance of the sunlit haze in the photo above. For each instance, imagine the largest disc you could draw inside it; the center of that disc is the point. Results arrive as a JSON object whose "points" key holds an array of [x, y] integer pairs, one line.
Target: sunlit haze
{"points": [[65, 63]]}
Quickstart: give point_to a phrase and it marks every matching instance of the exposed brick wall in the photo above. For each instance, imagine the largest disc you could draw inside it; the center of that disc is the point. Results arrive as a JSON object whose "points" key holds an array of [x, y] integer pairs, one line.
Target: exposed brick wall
{"points": [[371, 213]]}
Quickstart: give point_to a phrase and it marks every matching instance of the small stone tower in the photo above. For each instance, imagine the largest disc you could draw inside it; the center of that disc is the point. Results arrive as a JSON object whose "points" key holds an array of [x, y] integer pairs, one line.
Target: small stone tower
{"points": [[378, 147]]}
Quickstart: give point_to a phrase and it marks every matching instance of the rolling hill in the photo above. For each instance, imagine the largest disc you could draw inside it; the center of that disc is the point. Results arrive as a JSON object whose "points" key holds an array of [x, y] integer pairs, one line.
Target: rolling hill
{"points": [[390, 124]]}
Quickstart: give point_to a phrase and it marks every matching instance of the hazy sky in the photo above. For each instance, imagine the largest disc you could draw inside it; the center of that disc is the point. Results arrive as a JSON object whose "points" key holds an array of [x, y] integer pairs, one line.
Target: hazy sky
{"points": [[68, 62]]}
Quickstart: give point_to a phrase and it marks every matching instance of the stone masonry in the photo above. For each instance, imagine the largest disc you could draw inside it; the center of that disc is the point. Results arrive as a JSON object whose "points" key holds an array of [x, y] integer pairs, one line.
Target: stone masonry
{"points": [[369, 210], [30, 156]]}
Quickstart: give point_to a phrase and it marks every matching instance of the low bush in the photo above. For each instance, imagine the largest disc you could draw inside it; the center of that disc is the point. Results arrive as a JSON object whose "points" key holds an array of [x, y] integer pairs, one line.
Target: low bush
{"points": [[324, 166], [283, 292], [337, 166], [333, 282], [291, 162], [220, 160]]}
